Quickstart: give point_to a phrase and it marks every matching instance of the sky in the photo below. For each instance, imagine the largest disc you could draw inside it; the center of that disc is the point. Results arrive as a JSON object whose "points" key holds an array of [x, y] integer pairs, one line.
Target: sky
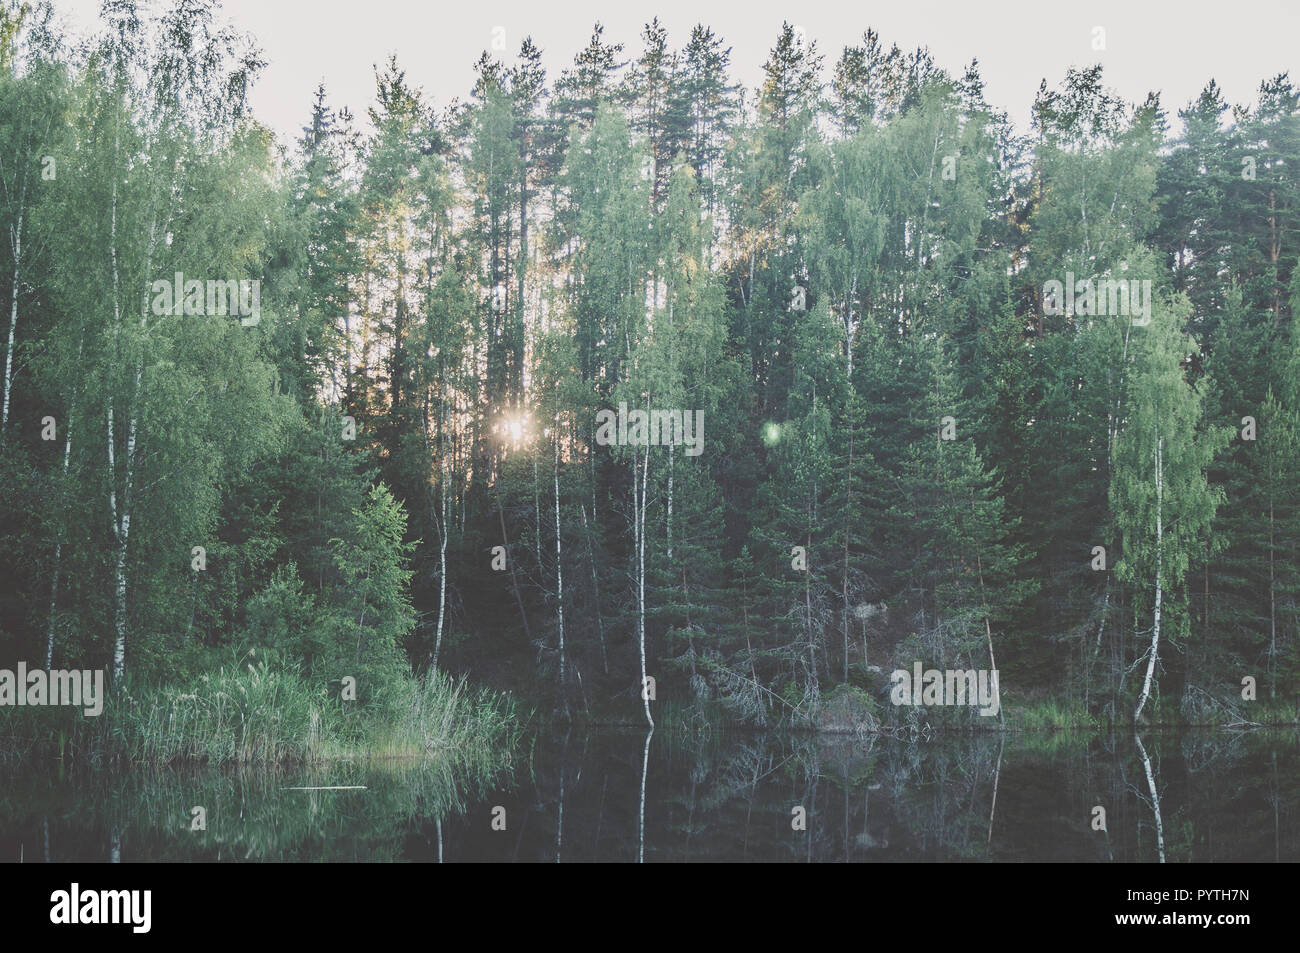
{"points": [[1171, 47]]}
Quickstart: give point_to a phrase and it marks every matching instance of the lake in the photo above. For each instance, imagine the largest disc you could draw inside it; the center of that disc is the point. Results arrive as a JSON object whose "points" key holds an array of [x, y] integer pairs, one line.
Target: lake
{"points": [[604, 794]]}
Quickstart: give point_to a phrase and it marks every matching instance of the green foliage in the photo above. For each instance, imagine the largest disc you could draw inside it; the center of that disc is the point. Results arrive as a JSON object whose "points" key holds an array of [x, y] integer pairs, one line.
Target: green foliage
{"points": [[255, 712], [838, 271]]}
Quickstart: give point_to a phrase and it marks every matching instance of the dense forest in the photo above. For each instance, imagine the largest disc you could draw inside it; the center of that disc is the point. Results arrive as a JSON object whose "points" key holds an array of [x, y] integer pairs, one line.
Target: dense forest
{"points": [[891, 420]]}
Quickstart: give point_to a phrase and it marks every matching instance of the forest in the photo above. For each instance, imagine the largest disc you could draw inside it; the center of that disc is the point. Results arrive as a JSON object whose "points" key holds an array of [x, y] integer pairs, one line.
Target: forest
{"points": [[614, 390]]}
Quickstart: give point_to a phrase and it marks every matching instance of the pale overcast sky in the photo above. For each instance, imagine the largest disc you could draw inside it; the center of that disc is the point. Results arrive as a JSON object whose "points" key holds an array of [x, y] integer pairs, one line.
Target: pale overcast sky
{"points": [[1173, 47]]}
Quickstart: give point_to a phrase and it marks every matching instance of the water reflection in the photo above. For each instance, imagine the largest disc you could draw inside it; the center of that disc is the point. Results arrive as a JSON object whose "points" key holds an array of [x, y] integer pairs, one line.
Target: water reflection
{"points": [[1155, 795], [646, 796]]}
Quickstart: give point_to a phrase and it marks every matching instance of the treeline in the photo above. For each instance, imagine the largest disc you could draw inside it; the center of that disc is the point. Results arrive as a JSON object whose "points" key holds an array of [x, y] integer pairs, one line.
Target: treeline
{"points": [[910, 451]]}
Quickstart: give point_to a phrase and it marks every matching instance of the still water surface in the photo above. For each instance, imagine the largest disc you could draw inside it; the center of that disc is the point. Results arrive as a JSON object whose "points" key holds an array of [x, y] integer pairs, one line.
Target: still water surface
{"points": [[615, 795]]}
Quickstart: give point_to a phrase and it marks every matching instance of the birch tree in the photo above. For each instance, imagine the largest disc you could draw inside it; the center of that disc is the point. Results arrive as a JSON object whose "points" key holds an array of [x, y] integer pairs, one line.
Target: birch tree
{"points": [[160, 98], [1160, 496], [33, 106]]}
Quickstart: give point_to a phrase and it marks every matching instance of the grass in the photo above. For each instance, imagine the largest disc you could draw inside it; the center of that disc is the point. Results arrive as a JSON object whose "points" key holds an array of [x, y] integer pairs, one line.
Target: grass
{"points": [[259, 715], [1270, 713], [1050, 715]]}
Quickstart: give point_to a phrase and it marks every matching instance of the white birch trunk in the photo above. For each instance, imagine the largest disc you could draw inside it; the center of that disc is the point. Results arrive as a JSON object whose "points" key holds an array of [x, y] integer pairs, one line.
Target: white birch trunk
{"points": [[58, 557], [122, 518], [119, 589], [645, 767], [559, 567], [16, 240], [442, 557], [639, 516], [669, 520], [1155, 797], [1155, 626]]}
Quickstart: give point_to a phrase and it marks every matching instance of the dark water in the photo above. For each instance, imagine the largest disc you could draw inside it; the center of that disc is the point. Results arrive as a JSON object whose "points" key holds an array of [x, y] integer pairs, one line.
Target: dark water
{"points": [[604, 795]]}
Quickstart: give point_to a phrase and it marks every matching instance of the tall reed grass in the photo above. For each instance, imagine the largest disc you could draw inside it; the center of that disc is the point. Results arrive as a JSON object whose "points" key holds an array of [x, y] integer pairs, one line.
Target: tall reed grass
{"points": [[256, 714]]}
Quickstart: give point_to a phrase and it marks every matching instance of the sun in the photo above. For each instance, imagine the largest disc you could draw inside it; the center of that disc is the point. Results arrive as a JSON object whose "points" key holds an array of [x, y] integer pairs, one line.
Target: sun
{"points": [[513, 429]]}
